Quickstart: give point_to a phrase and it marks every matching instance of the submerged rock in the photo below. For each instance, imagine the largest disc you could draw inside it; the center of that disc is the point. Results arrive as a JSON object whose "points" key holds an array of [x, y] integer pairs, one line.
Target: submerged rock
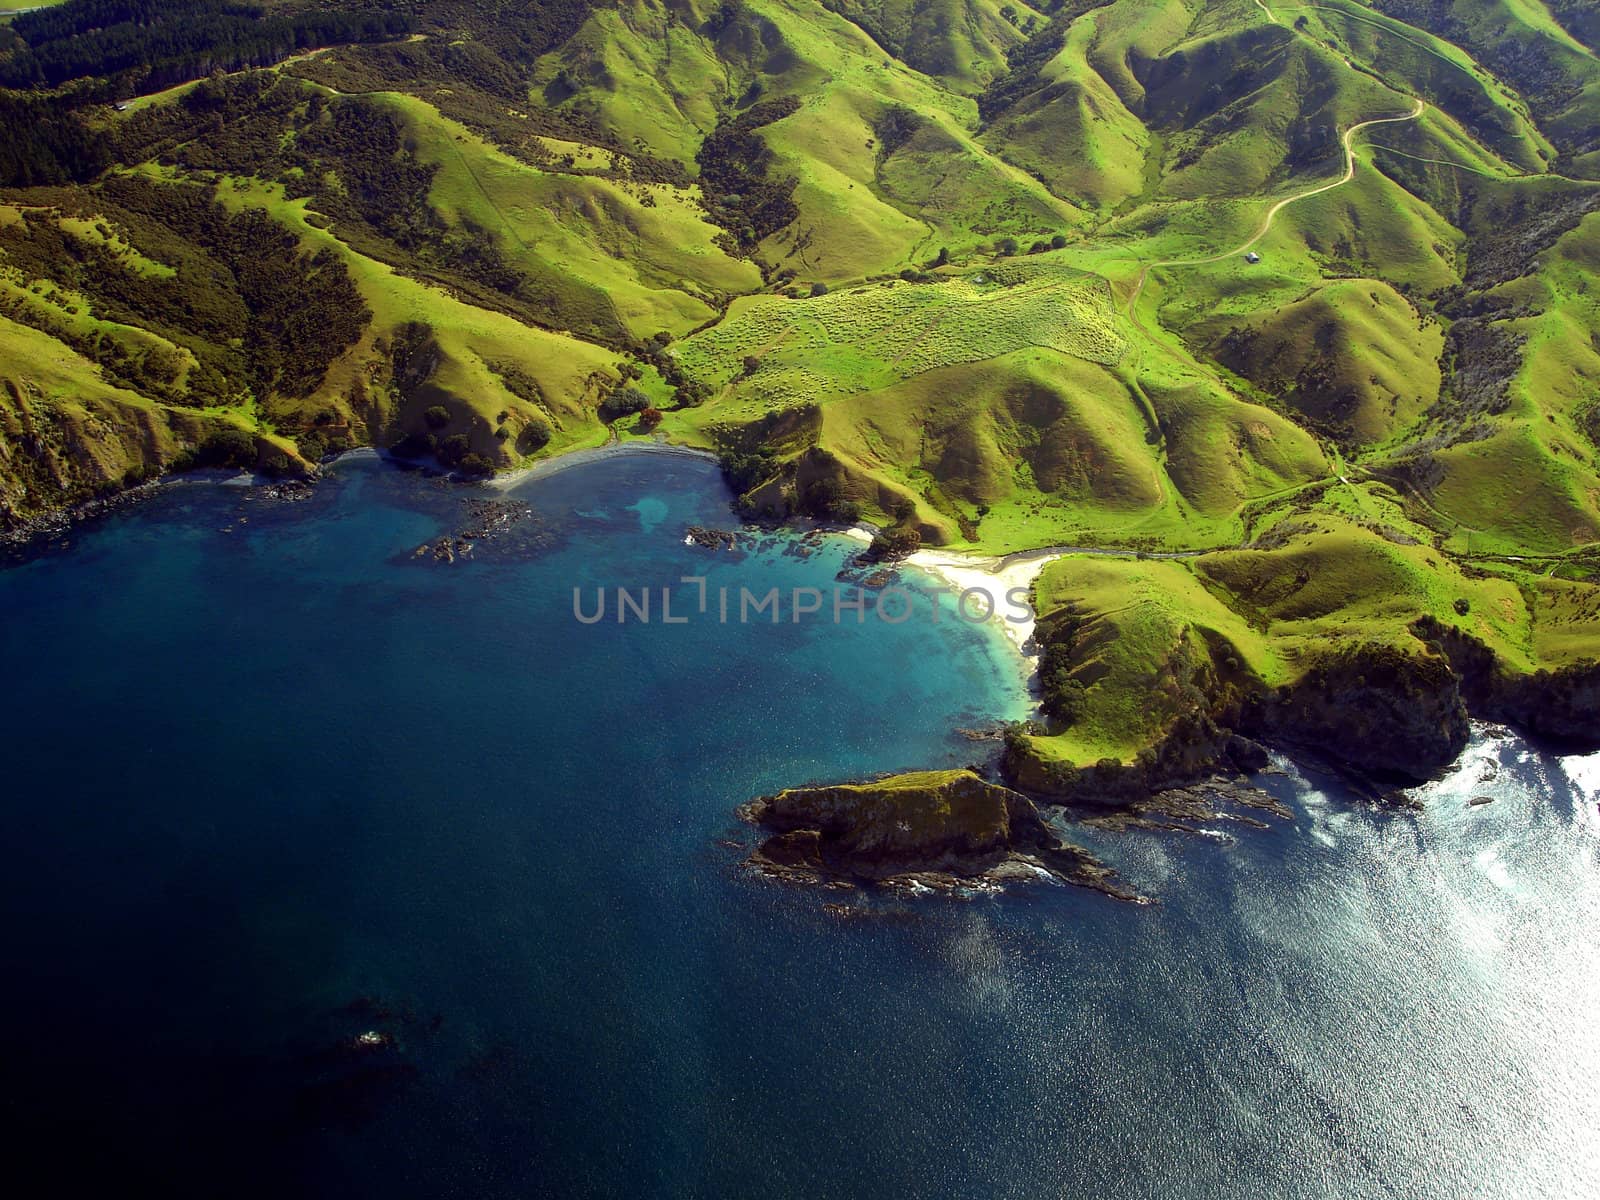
{"points": [[930, 829], [507, 530], [711, 539]]}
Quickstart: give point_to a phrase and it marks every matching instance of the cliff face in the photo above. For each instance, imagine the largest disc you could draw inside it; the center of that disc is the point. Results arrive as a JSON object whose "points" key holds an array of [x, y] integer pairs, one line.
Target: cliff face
{"points": [[1194, 745], [1560, 706], [932, 827], [923, 820], [1378, 710], [57, 453], [1374, 708], [1382, 712]]}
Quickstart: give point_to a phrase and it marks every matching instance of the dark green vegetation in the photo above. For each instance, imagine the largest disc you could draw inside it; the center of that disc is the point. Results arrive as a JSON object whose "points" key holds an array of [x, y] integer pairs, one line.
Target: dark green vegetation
{"points": [[975, 272], [931, 828]]}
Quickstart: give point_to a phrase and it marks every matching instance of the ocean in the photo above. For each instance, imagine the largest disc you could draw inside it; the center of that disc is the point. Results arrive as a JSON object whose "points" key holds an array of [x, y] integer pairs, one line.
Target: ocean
{"points": [[334, 869]]}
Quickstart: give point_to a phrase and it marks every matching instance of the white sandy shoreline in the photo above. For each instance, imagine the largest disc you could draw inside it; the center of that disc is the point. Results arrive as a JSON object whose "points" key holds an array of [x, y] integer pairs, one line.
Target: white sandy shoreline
{"points": [[579, 458], [993, 576]]}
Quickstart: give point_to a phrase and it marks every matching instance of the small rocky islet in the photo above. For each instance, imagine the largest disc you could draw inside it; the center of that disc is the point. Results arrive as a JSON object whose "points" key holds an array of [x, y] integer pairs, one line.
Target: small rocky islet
{"points": [[1381, 721], [922, 831]]}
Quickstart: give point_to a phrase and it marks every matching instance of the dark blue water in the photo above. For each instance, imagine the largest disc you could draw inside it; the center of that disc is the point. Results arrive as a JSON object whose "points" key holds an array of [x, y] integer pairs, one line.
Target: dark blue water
{"points": [[273, 784]]}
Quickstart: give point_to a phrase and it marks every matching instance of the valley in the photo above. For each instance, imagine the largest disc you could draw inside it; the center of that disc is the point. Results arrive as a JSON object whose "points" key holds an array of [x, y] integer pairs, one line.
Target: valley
{"points": [[1304, 294]]}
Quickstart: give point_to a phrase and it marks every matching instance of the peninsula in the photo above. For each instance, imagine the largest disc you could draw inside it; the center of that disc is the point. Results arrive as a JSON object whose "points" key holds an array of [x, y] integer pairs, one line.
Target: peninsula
{"points": [[1282, 318]]}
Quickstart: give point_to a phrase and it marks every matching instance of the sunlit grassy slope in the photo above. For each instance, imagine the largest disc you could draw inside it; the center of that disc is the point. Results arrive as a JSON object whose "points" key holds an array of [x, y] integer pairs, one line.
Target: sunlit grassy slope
{"points": [[996, 276]]}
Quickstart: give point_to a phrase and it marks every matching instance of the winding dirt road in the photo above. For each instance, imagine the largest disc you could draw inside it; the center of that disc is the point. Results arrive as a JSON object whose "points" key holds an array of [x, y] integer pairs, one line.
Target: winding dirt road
{"points": [[1272, 213]]}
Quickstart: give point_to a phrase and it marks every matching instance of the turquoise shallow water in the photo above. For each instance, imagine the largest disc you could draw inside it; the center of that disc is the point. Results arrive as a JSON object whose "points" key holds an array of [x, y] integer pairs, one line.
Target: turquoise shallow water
{"points": [[275, 787]]}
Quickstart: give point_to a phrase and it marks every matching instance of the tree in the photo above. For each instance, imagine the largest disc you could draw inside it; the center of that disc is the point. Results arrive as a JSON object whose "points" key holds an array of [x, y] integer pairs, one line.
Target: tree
{"points": [[1063, 696], [751, 364], [744, 471], [622, 402], [535, 435], [691, 394], [453, 450], [819, 289], [1006, 246], [895, 127], [1009, 12], [226, 448]]}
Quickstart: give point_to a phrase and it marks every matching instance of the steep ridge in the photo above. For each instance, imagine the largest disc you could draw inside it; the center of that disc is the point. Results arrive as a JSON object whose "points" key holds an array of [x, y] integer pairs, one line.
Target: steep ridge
{"points": [[1308, 288]]}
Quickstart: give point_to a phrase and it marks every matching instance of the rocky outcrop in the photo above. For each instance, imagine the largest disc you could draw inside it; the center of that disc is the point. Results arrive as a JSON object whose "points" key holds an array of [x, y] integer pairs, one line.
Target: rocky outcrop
{"points": [[57, 455], [1194, 746], [1560, 706], [933, 828], [1379, 713], [1373, 708]]}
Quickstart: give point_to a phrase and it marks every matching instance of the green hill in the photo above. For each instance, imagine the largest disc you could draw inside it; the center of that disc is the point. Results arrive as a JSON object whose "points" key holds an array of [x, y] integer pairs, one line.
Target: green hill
{"points": [[1308, 288]]}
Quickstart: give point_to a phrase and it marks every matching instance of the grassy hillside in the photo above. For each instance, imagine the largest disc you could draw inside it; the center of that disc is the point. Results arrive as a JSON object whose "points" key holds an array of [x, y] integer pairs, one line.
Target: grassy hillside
{"points": [[1306, 291]]}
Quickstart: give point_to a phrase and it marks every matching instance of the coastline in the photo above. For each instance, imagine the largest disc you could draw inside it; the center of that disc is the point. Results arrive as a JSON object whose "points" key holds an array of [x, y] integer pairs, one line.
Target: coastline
{"points": [[992, 575], [506, 480], [54, 523]]}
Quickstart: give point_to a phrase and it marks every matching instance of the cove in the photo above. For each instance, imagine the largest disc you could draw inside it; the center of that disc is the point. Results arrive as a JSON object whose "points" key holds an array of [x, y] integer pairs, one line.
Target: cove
{"points": [[277, 784]]}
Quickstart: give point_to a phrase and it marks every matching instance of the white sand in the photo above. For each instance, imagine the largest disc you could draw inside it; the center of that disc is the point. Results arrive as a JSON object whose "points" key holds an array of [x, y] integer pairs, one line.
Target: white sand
{"points": [[577, 458], [994, 577]]}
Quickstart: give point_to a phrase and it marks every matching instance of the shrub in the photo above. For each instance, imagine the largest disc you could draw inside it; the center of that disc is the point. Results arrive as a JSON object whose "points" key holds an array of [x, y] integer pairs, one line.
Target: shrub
{"points": [[453, 450], [745, 471], [894, 543], [535, 435], [226, 448], [622, 402], [825, 500], [897, 126], [414, 445], [313, 446], [1062, 696], [690, 394]]}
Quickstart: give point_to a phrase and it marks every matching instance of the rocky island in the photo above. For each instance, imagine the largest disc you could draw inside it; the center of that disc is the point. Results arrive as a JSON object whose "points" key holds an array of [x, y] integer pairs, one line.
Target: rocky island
{"points": [[1275, 333], [929, 829]]}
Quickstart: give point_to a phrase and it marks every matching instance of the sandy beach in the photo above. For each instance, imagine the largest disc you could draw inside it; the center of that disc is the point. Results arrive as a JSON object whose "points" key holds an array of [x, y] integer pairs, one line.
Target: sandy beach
{"points": [[577, 458], [995, 577]]}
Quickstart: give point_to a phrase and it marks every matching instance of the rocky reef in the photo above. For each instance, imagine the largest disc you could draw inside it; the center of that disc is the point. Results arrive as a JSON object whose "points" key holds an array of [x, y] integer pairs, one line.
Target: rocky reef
{"points": [[929, 829]]}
